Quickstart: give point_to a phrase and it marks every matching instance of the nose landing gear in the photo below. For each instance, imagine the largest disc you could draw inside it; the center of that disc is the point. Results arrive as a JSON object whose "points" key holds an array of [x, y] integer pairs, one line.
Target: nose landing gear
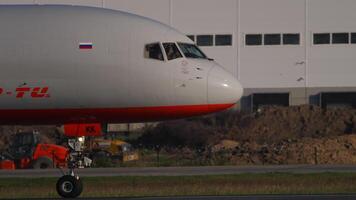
{"points": [[70, 185]]}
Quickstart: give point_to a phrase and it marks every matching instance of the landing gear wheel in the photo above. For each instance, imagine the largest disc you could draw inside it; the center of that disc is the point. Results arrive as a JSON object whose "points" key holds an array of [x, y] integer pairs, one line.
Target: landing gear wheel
{"points": [[69, 186]]}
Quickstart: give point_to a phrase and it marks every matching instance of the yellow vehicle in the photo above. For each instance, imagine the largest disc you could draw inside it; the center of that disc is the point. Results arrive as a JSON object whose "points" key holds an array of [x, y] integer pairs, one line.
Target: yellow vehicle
{"points": [[114, 149]]}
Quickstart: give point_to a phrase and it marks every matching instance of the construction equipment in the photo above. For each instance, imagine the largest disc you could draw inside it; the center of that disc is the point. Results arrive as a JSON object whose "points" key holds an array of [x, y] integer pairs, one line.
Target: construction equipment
{"points": [[26, 151], [116, 150]]}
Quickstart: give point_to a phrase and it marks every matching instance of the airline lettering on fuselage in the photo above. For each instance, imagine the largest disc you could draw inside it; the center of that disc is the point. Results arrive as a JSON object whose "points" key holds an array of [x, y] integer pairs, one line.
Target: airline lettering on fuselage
{"points": [[32, 92]]}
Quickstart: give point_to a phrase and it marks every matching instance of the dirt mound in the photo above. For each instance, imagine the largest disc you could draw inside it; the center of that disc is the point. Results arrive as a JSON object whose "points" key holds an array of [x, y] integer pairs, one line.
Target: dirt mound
{"points": [[333, 150], [275, 135], [269, 126], [274, 124]]}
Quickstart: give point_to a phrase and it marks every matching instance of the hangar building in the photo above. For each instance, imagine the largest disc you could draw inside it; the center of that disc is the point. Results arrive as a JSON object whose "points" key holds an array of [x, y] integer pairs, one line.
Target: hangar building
{"points": [[284, 52]]}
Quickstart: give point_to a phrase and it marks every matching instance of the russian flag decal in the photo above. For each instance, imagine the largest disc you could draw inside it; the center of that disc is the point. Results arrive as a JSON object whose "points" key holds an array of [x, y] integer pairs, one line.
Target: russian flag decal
{"points": [[86, 45]]}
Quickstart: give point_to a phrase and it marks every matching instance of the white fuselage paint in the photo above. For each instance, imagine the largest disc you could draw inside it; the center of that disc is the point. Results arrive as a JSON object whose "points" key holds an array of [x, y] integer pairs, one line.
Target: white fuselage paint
{"points": [[40, 47]]}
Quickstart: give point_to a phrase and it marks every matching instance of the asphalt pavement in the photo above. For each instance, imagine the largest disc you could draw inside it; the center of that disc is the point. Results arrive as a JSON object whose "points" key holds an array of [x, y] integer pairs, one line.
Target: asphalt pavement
{"points": [[181, 171]]}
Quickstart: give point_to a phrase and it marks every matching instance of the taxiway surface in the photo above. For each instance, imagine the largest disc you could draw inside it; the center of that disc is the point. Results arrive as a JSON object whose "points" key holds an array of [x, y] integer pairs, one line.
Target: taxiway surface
{"points": [[181, 171]]}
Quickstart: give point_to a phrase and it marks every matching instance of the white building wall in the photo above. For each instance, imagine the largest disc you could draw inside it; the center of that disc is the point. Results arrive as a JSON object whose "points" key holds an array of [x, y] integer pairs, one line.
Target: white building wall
{"points": [[332, 65], [17, 2], [97, 3], [272, 66]]}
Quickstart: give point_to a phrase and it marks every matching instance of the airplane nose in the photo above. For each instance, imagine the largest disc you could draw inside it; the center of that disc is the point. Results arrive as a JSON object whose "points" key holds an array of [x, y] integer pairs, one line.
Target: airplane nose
{"points": [[223, 87]]}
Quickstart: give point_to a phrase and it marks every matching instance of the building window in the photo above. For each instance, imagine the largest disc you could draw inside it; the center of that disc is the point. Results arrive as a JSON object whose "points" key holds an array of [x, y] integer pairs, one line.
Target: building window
{"points": [[338, 99], [223, 40], [172, 51], [153, 51], [291, 39], [259, 100], [272, 39], [205, 40], [340, 38], [353, 38], [253, 39], [321, 38], [192, 37]]}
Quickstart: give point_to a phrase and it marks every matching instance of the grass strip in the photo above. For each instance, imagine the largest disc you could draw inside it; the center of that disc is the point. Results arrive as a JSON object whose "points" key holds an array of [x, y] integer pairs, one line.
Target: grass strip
{"points": [[137, 186]]}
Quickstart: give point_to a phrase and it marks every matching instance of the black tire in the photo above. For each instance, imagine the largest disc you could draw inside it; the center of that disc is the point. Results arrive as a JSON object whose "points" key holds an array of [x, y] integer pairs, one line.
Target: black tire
{"points": [[69, 186], [43, 163]]}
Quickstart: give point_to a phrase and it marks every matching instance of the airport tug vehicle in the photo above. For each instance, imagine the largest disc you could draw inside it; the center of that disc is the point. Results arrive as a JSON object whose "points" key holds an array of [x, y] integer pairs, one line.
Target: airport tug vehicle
{"points": [[114, 150], [26, 151]]}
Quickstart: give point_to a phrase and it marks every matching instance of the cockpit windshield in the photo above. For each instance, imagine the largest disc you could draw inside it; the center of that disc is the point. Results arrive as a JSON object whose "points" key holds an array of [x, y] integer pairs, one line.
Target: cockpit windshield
{"points": [[191, 51]]}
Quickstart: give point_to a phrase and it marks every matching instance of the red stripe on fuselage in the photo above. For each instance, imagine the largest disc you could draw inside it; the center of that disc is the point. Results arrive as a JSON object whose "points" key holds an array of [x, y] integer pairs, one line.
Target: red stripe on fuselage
{"points": [[113, 115]]}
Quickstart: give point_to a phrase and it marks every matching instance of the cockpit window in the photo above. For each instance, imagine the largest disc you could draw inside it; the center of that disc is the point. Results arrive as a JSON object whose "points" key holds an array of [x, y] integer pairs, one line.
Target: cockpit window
{"points": [[172, 51], [191, 51], [153, 51]]}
